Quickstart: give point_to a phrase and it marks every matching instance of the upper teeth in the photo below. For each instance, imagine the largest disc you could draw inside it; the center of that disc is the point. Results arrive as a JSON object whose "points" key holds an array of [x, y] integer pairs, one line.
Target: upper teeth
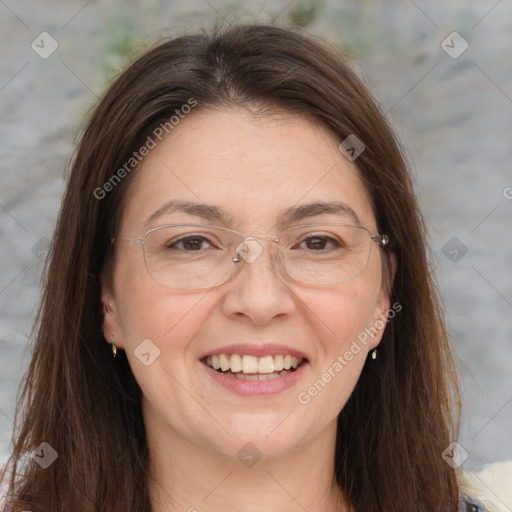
{"points": [[252, 364]]}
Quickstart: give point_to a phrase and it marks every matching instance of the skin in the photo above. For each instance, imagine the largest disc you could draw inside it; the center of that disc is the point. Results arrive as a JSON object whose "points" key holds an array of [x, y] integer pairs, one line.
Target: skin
{"points": [[252, 166]]}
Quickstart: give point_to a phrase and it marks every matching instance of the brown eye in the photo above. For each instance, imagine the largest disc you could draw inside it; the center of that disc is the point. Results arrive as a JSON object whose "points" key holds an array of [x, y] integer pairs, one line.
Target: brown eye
{"points": [[321, 243], [189, 243]]}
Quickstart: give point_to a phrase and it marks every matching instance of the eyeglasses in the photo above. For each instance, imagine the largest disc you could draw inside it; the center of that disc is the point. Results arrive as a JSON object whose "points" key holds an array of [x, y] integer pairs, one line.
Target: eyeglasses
{"points": [[198, 256]]}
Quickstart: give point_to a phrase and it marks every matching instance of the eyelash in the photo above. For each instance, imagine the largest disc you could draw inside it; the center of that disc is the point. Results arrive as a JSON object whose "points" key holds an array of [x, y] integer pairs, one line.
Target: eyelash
{"points": [[172, 245], [323, 238]]}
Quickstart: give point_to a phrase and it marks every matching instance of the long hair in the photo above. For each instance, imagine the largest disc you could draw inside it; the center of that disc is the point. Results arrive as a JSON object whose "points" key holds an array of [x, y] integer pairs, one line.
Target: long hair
{"points": [[404, 410]]}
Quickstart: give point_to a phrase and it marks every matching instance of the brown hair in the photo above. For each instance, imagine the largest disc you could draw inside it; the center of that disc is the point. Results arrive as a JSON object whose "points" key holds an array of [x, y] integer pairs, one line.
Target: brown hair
{"points": [[87, 405]]}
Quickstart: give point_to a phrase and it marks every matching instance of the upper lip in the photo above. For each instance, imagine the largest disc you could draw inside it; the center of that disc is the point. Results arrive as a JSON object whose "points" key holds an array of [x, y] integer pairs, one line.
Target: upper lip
{"points": [[256, 349]]}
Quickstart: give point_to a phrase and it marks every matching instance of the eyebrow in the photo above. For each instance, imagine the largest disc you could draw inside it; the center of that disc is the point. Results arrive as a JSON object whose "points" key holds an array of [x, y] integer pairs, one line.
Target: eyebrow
{"points": [[290, 215], [296, 213], [205, 211]]}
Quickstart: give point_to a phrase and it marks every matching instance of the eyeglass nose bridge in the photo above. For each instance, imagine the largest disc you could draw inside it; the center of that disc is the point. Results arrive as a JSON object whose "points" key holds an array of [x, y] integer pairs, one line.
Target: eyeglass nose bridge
{"points": [[242, 253]]}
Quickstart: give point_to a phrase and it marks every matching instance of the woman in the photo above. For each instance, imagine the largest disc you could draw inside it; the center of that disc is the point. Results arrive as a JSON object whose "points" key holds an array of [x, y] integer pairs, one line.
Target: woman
{"points": [[238, 312]]}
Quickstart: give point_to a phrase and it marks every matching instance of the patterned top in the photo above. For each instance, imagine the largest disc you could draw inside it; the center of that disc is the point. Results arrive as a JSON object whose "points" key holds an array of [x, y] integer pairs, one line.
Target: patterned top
{"points": [[468, 504]]}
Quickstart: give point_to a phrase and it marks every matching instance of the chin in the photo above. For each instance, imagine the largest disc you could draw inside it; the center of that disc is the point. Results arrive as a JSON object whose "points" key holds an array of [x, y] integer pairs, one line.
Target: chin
{"points": [[264, 437]]}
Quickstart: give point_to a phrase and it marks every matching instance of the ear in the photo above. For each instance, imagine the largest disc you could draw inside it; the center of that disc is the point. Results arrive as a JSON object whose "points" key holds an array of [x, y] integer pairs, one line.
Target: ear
{"points": [[383, 308], [110, 325]]}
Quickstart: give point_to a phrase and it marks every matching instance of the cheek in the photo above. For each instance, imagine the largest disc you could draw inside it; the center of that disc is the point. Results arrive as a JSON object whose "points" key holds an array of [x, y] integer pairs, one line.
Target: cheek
{"points": [[339, 316], [146, 310], [342, 313], [158, 326]]}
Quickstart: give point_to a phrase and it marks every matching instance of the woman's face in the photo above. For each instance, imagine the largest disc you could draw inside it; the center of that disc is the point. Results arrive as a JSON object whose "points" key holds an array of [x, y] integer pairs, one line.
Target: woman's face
{"points": [[252, 168]]}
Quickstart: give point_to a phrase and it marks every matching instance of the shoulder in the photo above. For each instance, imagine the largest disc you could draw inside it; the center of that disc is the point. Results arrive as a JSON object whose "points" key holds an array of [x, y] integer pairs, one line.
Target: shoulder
{"points": [[488, 490]]}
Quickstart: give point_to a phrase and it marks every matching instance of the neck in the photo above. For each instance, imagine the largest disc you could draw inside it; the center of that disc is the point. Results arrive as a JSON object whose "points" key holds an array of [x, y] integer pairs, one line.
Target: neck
{"points": [[193, 478]]}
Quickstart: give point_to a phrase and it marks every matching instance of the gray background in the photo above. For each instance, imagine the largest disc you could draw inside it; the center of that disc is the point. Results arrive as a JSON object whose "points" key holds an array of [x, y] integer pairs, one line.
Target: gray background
{"points": [[454, 116]]}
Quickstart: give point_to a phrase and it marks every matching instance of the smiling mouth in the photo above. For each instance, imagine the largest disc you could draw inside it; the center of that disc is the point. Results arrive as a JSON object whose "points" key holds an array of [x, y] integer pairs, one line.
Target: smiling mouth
{"points": [[247, 367]]}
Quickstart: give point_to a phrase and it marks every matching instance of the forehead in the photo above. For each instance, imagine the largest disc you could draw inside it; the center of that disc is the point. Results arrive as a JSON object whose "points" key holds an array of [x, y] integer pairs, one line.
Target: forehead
{"points": [[252, 168]]}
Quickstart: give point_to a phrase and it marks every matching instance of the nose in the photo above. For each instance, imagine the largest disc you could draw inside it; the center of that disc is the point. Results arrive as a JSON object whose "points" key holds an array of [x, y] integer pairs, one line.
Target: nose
{"points": [[258, 292]]}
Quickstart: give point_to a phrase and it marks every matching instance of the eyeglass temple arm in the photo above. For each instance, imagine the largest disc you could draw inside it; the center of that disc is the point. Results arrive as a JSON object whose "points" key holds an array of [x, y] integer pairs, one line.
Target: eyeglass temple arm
{"points": [[137, 241]]}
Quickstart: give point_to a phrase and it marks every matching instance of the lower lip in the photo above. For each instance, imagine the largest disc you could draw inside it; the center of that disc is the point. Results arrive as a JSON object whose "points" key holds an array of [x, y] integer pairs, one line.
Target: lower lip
{"points": [[256, 387]]}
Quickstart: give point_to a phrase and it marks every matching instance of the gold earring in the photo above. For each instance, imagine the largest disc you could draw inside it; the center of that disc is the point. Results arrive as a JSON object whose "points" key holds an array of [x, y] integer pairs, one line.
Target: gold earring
{"points": [[374, 354], [114, 348]]}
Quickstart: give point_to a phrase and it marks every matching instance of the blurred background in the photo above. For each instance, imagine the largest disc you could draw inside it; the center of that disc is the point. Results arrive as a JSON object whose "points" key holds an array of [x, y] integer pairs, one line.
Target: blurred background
{"points": [[441, 73]]}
